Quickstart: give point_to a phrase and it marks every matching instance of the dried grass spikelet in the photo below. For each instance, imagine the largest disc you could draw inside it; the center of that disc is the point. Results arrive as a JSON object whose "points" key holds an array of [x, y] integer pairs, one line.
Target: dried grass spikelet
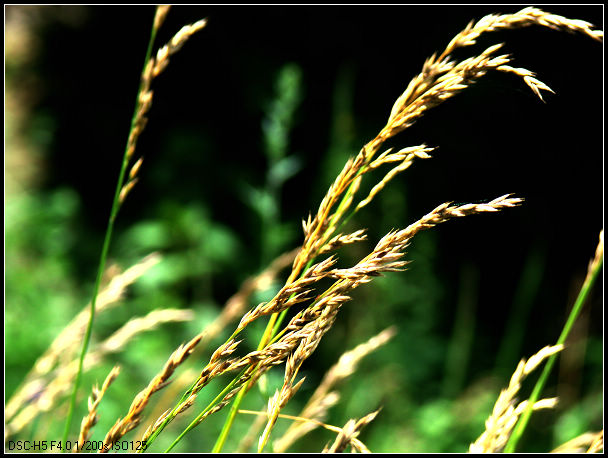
{"points": [[340, 240], [154, 426], [385, 257], [319, 230], [91, 418], [321, 313], [529, 78], [387, 254], [356, 444], [597, 259], [305, 348], [234, 308], [161, 14], [61, 379], [218, 364], [405, 157], [154, 67], [133, 416], [36, 379], [275, 405], [447, 211], [47, 396], [598, 443], [225, 400], [441, 78], [136, 325], [236, 305], [255, 363], [525, 17], [290, 294], [174, 45], [303, 335], [505, 413], [581, 444], [348, 435], [443, 85], [409, 107], [323, 398]]}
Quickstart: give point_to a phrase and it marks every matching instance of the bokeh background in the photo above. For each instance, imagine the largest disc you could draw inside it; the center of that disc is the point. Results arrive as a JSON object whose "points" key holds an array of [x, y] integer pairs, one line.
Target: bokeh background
{"points": [[250, 123]]}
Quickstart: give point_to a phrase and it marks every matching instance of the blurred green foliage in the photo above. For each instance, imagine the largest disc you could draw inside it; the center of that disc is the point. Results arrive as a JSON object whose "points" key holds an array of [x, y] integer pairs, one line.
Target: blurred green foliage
{"points": [[39, 285], [275, 234]]}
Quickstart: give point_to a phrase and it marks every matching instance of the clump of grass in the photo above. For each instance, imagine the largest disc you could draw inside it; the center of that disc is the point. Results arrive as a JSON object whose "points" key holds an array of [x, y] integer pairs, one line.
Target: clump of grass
{"points": [[54, 370], [440, 79], [133, 417], [306, 307]]}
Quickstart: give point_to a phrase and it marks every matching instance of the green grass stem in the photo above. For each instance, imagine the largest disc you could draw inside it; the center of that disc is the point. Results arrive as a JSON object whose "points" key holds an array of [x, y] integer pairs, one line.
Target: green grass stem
{"points": [[104, 254], [540, 384]]}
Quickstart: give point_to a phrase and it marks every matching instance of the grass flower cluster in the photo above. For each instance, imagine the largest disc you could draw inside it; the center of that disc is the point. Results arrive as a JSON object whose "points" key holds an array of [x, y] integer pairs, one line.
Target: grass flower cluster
{"points": [[319, 284]]}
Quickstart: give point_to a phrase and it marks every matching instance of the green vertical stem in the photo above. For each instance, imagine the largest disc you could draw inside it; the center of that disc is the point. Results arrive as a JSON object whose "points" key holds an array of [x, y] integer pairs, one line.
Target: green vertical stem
{"points": [[576, 309], [221, 440], [459, 349], [271, 330], [104, 255], [525, 293], [200, 416]]}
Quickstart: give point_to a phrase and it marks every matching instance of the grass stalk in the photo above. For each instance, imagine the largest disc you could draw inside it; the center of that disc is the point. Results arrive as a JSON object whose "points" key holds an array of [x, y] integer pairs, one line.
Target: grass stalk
{"points": [[200, 416], [106, 245], [594, 269], [221, 440], [270, 332]]}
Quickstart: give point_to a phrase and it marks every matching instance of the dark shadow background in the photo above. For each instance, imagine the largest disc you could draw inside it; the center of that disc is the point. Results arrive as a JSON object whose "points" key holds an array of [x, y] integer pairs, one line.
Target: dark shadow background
{"points": [[203, 136]]}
